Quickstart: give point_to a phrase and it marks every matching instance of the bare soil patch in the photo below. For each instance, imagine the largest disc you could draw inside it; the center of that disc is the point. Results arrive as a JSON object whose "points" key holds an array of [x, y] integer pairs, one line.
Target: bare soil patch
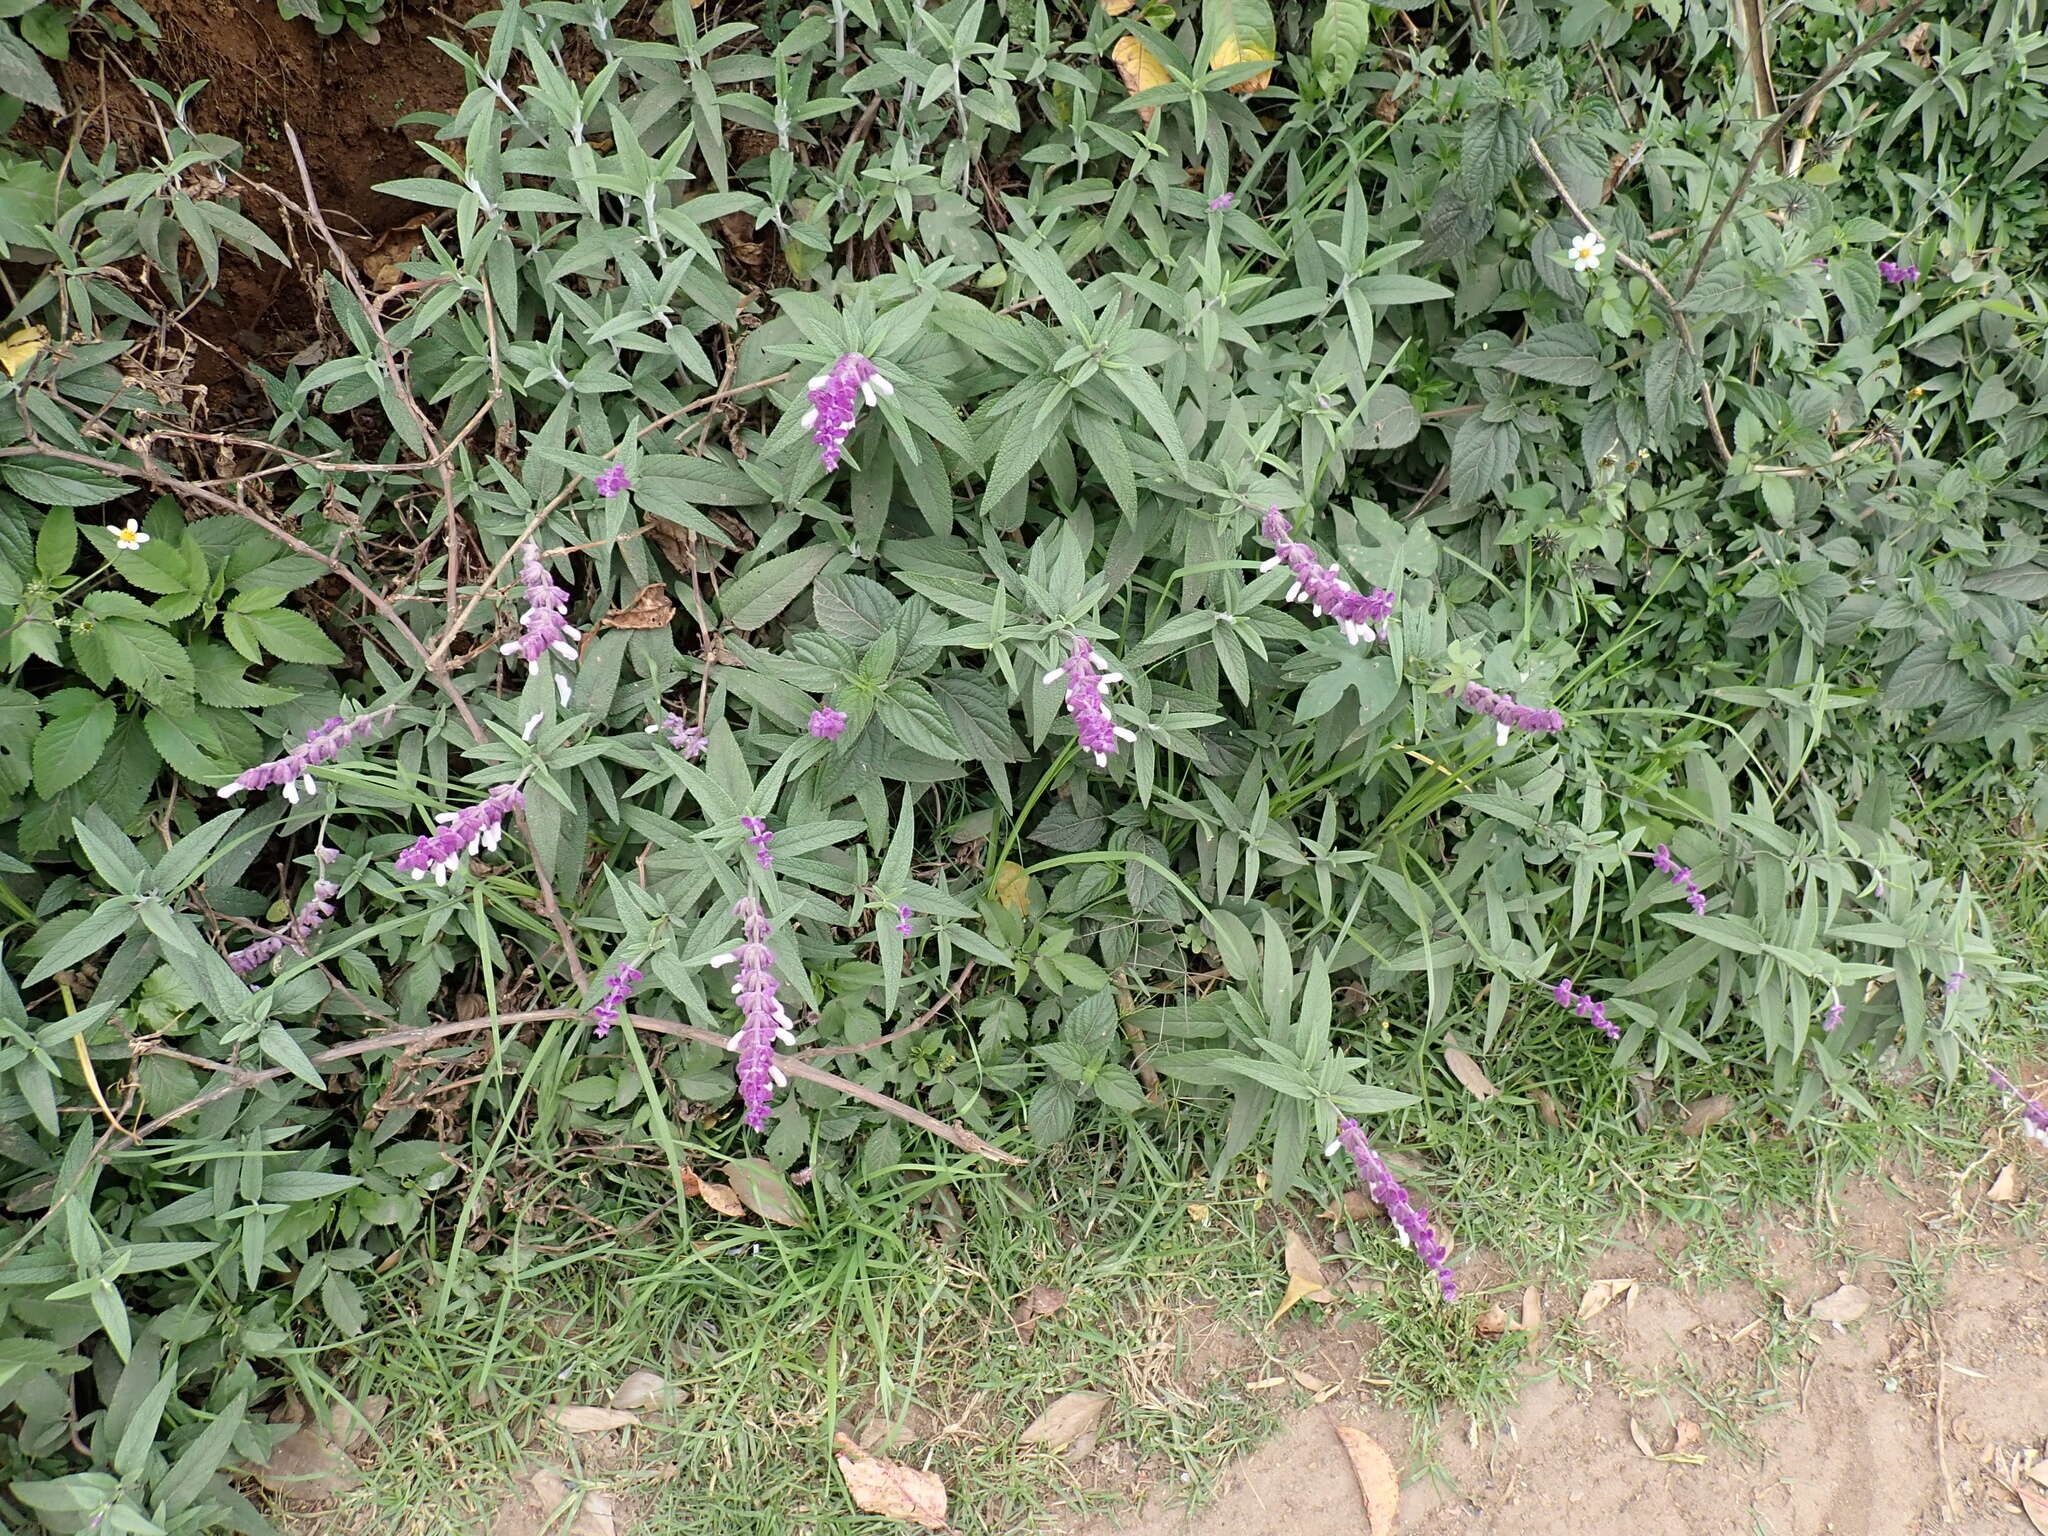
{"points": [[1731, 1409]]}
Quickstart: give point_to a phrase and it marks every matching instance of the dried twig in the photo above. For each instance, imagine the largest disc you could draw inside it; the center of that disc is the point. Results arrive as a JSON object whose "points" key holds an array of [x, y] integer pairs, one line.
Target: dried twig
{"points": [[235, 1079], [1776, 128], [952, 996], [1648, 275]]}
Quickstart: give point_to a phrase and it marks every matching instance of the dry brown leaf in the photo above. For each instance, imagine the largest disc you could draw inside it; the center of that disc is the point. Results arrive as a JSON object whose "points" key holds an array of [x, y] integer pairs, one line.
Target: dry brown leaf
{"points": [[1915, 45], [1309, 1381], [1641, 1438], [1039, 1301], [640, 1390], [382, 261], [2034, 1505], [1140, 69], [1377, 1479], [1684, 1436], [348, 1425], [1305, 1278], [894, 1430], [889, 1488], [1842, 1306], [307, 1465], [1546, 1107], [1601, 1295], [1701, 1113], [2039, 1473], [1468, 1072], [1265, 1384], [1493, 1323], [1065, 1420], [720, 1197], [1354, 1204], [589, 1419], [1532, 1317], [651, 608], [552, 1493], [674, 541], [2006, 1187]]}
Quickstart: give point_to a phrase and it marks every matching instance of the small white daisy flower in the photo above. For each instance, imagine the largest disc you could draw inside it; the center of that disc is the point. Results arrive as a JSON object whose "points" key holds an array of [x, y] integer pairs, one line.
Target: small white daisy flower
{"points": [[1586, 251], [129, 537]]}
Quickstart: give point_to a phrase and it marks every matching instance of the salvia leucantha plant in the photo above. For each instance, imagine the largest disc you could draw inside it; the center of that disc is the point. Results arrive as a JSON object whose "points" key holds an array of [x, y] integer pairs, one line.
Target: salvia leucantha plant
{"points": [[1150, 605]]}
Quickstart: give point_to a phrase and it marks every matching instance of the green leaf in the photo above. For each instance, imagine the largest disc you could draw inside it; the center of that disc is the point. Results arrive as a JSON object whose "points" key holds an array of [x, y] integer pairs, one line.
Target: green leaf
{"points": [[1671, 385], [764, 1191], [1389, 418], [1560, 354], [761, 591], [70, 744], [1483, 453], [54, 483], [1496, 145], [56, 543], [151, 661], [285, 634]]}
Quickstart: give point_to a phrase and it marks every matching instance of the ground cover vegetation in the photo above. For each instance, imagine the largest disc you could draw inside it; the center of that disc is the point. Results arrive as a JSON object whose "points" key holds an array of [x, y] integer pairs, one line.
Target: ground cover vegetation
{"points": [[878, 592]]}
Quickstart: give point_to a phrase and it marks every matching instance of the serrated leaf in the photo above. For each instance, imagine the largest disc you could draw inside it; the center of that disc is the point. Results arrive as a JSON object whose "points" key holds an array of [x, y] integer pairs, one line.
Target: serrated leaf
{"points": [[149, 660], [287, 635], [1560, 354], [68, 746], [1483, 453], [1495, 146]]}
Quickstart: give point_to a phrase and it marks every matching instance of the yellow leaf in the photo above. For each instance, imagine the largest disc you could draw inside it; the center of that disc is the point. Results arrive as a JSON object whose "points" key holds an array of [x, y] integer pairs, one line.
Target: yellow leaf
{"points": [[1012, 888], [1245, 28], [1140, 69], [22, 348], [1305, 1278], [1117, 7]]}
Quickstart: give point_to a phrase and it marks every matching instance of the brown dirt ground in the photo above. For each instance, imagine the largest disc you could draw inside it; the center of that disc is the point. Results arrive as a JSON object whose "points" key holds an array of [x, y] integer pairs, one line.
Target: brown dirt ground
{"points": [[1907, 1421], [343, 98]]}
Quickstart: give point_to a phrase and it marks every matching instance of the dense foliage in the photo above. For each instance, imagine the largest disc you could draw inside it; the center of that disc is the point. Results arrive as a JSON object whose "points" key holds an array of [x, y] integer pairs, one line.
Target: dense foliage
{"points": [[1760, 521]]}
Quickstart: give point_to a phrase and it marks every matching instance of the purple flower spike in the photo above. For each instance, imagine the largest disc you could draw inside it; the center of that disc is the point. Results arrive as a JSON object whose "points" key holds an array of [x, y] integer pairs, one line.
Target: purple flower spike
{"points": [[1681, 877], [2033, 1113], [1221, 204], [1411, 1221], [1093, 727], [1898, 275], [545, 625], [759, 835], [1593, 1011], [686, 738], [765, 1022], [617, 988], [1833, 1017], [1360, 615], [903, 924], [253, 956], [827, 723], [293, 773], [836, 399], [318, 908], [464, 832], [612, 480], [1506, 714]]}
